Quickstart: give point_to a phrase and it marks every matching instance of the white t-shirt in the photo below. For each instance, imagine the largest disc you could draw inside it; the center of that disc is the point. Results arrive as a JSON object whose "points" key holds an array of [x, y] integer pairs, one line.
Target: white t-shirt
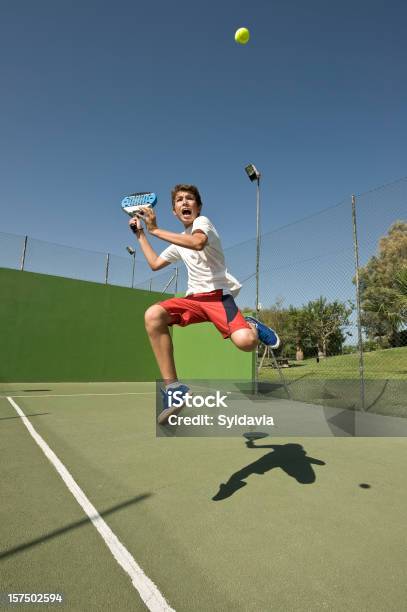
{"points": [[206, 269]]}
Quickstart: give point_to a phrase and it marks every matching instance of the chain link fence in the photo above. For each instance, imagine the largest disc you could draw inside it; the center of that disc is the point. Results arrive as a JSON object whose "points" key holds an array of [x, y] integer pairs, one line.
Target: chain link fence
{"points": [[32, 255], [307, 292]]}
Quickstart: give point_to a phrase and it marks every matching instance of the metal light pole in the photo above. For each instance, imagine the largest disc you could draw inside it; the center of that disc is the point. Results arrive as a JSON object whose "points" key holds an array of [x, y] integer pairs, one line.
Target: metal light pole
{"points": [[132, 252], [254, 175], [257, 244]]}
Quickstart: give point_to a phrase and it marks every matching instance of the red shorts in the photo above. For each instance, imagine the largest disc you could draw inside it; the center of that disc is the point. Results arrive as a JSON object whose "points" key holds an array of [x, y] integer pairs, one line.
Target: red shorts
{"points": [[219, 309]]}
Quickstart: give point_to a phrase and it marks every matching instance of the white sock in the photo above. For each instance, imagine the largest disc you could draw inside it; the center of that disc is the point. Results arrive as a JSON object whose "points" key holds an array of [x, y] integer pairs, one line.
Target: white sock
{"points": [[172, 385]]}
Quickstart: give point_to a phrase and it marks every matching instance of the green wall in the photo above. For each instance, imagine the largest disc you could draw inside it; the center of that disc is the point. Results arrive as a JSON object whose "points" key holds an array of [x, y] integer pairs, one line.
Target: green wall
{"points": [[202, 353], [59, 329]]}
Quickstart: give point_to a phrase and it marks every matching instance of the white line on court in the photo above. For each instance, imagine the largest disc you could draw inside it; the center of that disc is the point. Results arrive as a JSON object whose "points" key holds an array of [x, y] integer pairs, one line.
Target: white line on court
{"points": [[148, 591], [86, 394]]}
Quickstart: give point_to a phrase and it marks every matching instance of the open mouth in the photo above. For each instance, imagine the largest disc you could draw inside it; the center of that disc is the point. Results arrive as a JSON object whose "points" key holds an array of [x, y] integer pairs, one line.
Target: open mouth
{"points": [[186, 212]]}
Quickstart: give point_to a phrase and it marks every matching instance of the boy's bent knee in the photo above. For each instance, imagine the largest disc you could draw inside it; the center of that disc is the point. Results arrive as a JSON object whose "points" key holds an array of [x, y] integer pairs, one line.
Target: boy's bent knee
{"points": [[156, 316], [244, 339]]}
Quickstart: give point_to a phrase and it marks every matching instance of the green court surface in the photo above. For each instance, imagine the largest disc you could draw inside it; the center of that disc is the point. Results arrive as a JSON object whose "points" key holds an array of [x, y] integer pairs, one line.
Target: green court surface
{"points": [[300, 535]]}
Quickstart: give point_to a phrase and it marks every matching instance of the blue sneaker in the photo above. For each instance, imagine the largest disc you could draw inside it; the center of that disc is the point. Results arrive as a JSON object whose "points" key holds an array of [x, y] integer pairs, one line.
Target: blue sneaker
{"points": [[172, 404], [267, 335]]}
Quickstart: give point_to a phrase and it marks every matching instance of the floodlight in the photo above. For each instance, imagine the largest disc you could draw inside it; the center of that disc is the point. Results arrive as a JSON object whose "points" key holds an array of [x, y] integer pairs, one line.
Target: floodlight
{"points": [[132, 252], [252, 172]]}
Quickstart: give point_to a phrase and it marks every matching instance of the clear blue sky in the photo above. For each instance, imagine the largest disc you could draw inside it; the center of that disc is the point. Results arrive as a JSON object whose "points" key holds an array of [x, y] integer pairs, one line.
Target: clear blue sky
{"points": [[100, 99]]}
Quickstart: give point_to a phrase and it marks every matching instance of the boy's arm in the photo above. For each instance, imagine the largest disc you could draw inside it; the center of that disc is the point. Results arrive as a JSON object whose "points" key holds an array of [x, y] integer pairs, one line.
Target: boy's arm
{"points": [[154, 261], [195, 241]]}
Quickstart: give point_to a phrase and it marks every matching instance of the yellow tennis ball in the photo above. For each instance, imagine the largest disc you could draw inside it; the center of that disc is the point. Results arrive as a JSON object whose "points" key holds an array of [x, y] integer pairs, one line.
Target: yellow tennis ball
{"points": [[242, 36]]}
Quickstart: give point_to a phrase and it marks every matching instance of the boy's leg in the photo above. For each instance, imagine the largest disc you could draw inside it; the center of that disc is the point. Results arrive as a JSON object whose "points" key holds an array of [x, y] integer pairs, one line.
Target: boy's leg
{"points": [[245, 332], [157, 322], [223, 312], [245, 339]]}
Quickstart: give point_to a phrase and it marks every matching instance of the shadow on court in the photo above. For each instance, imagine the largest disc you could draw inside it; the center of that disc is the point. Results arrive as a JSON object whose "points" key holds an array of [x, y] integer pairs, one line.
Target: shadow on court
{"points": [[27, 415], [291, 458], [53, 534]]}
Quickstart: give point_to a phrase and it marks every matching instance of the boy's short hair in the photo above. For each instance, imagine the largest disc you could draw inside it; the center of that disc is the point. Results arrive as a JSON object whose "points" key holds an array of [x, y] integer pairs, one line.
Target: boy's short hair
{"points": [[190, 188]]}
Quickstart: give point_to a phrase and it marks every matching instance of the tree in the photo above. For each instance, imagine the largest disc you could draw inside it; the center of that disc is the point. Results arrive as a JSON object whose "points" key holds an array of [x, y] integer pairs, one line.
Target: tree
{"points": [[401, 289], [298, 331], [395, 309], [381, 287], [277, 317], [324, 323], [316, 326], [290, 325]]}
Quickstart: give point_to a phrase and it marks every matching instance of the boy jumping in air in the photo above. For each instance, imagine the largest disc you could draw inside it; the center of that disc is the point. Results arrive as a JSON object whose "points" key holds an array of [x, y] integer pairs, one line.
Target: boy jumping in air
{"points": [[211, 288]]}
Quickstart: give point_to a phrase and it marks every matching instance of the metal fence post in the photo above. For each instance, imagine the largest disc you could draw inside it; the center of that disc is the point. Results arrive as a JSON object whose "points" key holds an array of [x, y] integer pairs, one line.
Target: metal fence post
{"points": [[107, 268], [132, 274], [23, 254], [169, 283], [360, 340]]}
